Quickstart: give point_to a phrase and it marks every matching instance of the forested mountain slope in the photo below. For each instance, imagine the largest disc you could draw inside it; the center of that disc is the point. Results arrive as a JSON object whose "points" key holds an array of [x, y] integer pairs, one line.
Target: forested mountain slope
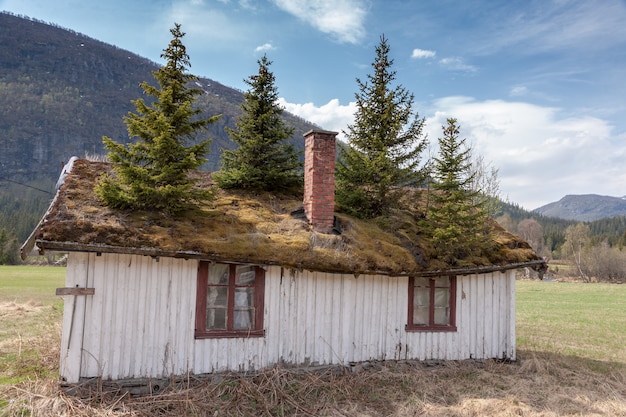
{"points": [[60, 92], [611, 230]]}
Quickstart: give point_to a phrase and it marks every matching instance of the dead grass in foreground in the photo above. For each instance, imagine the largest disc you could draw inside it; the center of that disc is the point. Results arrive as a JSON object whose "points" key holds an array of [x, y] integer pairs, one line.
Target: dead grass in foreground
{"points": [[539, 384]]}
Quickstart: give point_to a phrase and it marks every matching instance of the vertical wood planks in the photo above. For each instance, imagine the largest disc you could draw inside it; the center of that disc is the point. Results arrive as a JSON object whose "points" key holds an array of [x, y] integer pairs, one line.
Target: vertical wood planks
{"points": [[140, 321], [73, 319]]}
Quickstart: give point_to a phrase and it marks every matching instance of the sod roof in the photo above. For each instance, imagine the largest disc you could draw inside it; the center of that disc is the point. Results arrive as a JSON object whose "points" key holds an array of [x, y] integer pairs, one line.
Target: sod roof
{"points": [[259, 228]]}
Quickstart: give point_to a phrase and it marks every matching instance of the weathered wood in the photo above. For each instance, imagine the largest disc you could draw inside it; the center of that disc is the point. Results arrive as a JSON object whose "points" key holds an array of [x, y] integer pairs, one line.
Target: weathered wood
{"points": [[77, 276], [141, 321], [44, 245], [75, 291]]}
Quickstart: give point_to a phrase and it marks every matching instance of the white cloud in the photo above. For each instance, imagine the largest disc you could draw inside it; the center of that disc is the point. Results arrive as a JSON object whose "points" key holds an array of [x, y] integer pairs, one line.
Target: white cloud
{"points": [[330, 116], [518, 91], [342, 19], [422, 53], [203, 23], [264, 47], [456, 64], [541, 155]]}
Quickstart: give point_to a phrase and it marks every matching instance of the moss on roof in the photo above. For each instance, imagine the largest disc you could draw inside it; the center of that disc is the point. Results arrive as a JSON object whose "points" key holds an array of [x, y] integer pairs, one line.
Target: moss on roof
{"points": [[248, 227]]}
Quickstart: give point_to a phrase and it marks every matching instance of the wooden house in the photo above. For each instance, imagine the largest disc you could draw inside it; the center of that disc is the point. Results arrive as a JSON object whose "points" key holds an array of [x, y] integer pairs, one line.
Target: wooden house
{"points": [[253, 281]]}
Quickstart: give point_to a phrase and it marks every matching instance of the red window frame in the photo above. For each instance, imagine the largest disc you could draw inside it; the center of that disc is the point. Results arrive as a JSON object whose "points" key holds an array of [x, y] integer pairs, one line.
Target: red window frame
{"points": [[201, 332], [431, 326]]}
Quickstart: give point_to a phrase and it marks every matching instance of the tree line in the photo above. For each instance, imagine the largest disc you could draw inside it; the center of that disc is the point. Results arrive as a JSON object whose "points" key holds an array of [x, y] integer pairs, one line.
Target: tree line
{"points": [[596, 250], [21, 207]]}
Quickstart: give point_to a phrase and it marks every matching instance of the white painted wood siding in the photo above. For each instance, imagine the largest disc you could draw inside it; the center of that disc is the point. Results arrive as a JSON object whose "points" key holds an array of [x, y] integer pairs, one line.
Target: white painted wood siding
{"points": [[140, 321], [485, 321]]}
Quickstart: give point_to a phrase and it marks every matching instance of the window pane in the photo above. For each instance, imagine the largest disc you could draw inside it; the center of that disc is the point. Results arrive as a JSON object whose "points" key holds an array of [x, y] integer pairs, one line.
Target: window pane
{"points": [[244, 308], [217, 297], [215, 318], [244, 275], [442, 315], [442, 305], [244, 297], [442, 297], [421, 297], [421, 303], [420, 316], [218, 274]]}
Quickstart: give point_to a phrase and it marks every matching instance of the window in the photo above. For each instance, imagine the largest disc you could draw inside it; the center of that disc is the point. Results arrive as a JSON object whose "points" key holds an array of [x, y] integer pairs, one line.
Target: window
{"points": [[229, 300], [432, 303]]}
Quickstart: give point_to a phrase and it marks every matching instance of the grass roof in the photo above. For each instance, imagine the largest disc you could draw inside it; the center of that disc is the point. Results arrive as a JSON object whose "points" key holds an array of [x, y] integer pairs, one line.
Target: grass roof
{"points": [[258, 228]]}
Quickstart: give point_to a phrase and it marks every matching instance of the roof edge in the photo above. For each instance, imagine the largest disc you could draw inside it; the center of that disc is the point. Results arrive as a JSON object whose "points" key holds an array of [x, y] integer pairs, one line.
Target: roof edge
{"points": [[78, 247], [29, 244]]}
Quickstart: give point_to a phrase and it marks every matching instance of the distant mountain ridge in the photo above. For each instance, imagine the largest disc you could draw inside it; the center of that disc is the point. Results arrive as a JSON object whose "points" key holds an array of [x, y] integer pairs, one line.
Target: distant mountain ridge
{"points": [[586, 207]]}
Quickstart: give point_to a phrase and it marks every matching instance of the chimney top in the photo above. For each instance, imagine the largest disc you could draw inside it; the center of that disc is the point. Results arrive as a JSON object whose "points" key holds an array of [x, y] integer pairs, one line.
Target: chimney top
{"points": [[320, 131]]}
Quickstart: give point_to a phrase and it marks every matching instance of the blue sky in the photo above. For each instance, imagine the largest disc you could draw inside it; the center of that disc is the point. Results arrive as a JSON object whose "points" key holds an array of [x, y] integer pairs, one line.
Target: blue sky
{"points": [[538, 86]]}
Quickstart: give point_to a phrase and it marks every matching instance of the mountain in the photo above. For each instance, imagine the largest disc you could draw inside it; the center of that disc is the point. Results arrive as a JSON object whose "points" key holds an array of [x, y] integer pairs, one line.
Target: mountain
{"points": [[587, 207], [61, 91]]}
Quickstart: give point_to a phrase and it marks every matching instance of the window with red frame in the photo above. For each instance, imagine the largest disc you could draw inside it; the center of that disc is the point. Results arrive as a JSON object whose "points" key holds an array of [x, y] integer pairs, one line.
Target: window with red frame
{"points": [[432, 303], [229, 300]]}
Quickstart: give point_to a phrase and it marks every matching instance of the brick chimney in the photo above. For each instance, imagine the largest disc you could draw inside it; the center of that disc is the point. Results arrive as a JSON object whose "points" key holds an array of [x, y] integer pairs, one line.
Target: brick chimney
{"points": [[319, 179]]}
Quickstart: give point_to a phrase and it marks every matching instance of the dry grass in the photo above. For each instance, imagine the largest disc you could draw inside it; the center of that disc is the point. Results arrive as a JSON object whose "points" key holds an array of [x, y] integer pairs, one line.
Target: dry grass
{"points": [[546, 381], [29, 341], [540, 384]]}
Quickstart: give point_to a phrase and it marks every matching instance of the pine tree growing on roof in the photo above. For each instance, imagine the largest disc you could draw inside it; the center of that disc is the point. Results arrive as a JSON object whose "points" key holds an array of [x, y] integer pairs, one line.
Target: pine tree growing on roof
{"points": [[263, 160], [152, 173], [456, 218], [385, 143]]}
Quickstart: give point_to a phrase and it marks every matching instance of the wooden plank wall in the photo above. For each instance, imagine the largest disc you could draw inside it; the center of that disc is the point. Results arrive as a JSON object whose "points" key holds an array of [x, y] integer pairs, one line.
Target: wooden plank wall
{"points": [[139, 323], [132, 325]]}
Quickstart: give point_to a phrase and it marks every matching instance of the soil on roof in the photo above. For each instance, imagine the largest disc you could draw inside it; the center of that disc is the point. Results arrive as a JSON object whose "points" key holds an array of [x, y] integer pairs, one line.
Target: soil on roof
{"points": [[251, 227]]}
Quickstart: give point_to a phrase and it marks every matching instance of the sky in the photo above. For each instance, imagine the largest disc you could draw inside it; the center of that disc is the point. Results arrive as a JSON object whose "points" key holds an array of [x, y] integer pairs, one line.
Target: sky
{"points": [[538, 86]]}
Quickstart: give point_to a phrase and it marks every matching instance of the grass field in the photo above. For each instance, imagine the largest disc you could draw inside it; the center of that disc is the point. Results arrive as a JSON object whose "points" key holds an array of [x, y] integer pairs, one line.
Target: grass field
{"points": [[587, 320], [30, 315], [23, 283], [570, 340]]}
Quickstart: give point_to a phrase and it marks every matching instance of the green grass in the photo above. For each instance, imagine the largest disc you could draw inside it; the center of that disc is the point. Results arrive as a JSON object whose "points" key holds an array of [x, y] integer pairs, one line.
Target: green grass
{"points": [[587, 320], [21, 284], [30, 316]]}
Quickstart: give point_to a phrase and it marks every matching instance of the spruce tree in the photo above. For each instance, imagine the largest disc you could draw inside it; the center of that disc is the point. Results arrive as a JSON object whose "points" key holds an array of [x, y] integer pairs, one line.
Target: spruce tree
{"points": [[152, 173], [263, 160], [455, 215], [384, 143]]}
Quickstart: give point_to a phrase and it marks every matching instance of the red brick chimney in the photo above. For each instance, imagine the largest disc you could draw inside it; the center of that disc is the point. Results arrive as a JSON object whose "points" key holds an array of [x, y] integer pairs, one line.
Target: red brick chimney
{"points": [[319, 179]]}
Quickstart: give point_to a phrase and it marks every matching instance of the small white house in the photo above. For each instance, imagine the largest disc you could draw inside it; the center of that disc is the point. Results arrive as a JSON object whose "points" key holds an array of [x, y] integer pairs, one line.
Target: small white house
{"points": [[250, 282]]}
